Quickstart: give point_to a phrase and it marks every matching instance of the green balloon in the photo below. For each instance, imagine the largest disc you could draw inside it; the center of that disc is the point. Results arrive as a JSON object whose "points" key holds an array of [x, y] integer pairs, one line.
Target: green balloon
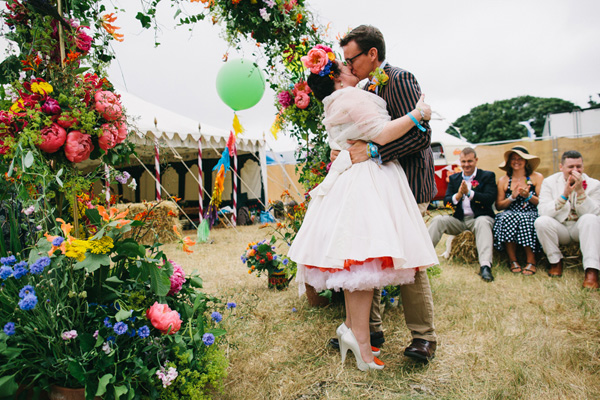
{"points": [[240, 84]]}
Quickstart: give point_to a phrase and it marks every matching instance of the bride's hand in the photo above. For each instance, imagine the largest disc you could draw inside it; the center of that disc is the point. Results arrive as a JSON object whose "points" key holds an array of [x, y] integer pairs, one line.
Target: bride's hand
{"points": [[424, 107]]}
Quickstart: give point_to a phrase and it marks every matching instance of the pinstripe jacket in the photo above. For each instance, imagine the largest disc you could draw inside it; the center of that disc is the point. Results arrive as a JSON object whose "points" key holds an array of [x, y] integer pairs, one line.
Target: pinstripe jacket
{"points": [[413, 150]]}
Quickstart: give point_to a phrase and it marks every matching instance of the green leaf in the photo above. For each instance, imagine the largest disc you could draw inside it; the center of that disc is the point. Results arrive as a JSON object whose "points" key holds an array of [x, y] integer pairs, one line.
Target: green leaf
{"points": [[159, 280], [102, 383], [76, 370], [122, 315], [28, 162], [87, 342], [119, 391], [113, 279], [199, 301], [131, 248], [196, 282], [94, 216], [8, 385], [93, 261], [217, 332], [144, 19]]}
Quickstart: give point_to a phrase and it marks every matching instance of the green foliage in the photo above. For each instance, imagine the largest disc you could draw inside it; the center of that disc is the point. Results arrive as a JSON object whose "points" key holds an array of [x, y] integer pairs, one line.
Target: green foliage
{"points": [[500, 120]]}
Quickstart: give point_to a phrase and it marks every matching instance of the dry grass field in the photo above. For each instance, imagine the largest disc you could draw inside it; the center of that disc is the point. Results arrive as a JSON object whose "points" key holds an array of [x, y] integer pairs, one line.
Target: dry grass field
{"points": [[516, 338]]}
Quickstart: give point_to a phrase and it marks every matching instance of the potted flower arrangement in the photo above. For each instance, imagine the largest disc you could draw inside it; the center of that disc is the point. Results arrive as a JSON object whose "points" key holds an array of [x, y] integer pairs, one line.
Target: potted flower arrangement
{"points": [[261, 257]]}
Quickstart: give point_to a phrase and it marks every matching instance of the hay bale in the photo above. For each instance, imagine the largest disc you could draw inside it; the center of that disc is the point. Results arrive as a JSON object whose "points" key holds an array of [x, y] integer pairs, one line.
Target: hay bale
{"points": [[160, 217], [464, 248]]}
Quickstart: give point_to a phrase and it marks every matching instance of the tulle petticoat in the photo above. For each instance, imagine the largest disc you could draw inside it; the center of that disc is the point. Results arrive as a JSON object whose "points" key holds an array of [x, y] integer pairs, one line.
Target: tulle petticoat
{"points": [[368, 275]]}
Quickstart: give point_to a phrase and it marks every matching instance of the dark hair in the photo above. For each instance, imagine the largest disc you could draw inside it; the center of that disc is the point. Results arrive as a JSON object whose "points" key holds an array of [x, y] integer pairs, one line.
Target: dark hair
{"points": [[528, 169], [366, 37], [468, 150], [323, 86], [570, 154]]}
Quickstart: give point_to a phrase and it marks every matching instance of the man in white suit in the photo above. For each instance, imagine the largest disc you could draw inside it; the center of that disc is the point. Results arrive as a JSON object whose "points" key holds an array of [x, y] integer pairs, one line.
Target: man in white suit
{"points": [[569, 211]]}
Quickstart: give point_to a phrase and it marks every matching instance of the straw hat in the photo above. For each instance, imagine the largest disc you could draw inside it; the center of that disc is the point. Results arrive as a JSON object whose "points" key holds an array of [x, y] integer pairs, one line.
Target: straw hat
{"points": [[532, 160]]}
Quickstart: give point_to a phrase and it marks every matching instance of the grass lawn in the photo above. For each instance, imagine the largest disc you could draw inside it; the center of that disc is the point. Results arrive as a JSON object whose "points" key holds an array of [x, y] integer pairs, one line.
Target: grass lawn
{"points": [[520, 337]]}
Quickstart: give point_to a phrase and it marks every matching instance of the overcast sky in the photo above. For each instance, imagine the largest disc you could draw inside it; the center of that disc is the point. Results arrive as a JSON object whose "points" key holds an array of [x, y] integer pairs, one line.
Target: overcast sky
{"points": [[463, 52]]}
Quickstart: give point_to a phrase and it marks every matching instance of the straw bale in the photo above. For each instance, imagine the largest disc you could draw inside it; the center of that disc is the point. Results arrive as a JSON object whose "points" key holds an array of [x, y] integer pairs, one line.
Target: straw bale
{"points": [[160, 219], [463, 247]]}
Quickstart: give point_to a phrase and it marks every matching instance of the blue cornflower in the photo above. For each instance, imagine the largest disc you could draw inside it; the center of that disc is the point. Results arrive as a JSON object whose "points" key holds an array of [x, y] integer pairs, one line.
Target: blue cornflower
{"points": [[286, 261], [131, 332], [9, 328], [144, 332], [384, 292], [22, 264], [275, 257], [216, 316], [10, 260], [231, 304], [208, 339], [28, 302], [38, 266], [19, 272], [27, 289], [392, 300], [294, 309], [111, 339], [120, 328], [6, 272], [107, 322], [255, 247], [58, 241]]}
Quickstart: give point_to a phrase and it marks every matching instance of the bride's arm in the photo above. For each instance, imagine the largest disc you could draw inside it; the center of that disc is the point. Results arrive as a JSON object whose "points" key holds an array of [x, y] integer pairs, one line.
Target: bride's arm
{"points": [[400, 126]]}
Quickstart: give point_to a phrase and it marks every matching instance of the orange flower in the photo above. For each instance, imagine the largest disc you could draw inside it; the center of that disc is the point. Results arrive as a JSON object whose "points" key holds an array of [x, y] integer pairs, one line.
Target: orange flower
{"points": [[298, 18], [171, 214], [114, 215], [72, 56], [187, 244], [111, 29]]}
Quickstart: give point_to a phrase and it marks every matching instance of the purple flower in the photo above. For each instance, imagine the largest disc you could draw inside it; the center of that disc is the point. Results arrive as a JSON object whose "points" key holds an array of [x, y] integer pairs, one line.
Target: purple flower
{"points": [[123, 177], [39, 265], [107, 322], [20, 272], [208, 339], [285, 98], [68, 335], [9, 328], [58, 241], [6, 272], [51, 106], [231, 305], [294, 309], [285, 261], [96, 334], [131, 332], [29, 210], [144, 332], [270, 3], [27, 289], [28, 302], [10, 260], [216, 316], [120, 328]]}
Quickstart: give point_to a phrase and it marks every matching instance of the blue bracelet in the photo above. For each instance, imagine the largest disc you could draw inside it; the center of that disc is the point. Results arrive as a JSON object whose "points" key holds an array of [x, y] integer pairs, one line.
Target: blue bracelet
{"points": [[373, 152], [417, 123], [563, 197], [530, 196]]}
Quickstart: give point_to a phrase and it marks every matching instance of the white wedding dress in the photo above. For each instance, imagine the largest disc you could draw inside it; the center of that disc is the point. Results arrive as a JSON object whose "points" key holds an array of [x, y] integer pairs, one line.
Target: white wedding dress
{"points": [[362, 229]]}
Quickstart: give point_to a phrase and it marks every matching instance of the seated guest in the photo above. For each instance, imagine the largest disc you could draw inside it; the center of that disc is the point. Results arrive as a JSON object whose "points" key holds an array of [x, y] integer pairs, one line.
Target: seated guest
{"points": [[569, 210], [518, 197], [472, 193]]}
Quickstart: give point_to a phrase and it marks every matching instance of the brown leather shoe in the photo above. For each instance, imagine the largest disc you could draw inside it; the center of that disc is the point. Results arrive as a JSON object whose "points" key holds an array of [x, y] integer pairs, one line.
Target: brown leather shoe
{"points": [[591, 279], [421, 350], [555, 270]]}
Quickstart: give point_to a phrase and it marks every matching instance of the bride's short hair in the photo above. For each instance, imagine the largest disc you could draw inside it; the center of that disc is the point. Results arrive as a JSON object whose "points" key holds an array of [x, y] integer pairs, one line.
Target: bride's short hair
{"points": [[323, 86]]}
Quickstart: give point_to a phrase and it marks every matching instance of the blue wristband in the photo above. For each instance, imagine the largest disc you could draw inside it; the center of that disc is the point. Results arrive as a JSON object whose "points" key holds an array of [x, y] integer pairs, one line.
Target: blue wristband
{"points": [[416, 123], [530, 196], [563, 197]]}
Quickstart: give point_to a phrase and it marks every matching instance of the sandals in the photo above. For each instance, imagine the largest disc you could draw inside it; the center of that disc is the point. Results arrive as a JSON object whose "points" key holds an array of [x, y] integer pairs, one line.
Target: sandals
{"points": [[515, 268], [529, 270]]}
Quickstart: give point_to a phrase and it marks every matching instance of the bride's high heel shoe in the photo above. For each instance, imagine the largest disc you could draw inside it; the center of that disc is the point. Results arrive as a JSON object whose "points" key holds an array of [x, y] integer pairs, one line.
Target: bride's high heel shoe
{"points": [[343, 328], [348, 342]]}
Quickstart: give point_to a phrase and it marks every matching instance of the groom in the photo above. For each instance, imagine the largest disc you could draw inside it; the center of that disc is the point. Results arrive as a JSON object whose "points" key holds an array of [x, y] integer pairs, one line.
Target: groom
{"points": [[364, 52]]}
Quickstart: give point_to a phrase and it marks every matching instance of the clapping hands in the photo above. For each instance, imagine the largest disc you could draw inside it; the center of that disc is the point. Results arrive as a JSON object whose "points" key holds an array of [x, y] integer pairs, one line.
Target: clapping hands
{"points": [[574, 183]]}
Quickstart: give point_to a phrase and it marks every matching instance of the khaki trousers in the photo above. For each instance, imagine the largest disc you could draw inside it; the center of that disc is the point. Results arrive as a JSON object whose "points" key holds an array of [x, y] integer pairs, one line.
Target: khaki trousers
{"points": [[480, 226], [417, 302]]}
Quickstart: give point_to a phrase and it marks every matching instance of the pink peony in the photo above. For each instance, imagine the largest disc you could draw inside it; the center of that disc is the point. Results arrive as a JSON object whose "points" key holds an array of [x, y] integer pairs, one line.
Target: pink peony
{"points": [[315, 60], [177, 279], [323, 47], [107, 104], [122, 131], [301, 87], [78, 146], [163, 318], [302, 100], [66, 120], [109, 136], [51, 106], [53, 137], [285, 98]]}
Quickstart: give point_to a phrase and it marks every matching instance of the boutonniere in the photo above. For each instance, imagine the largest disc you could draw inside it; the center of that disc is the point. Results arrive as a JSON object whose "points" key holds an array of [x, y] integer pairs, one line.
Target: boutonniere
{"points": [[378, 79], [528, 182], [584, 185], [474, 184]]}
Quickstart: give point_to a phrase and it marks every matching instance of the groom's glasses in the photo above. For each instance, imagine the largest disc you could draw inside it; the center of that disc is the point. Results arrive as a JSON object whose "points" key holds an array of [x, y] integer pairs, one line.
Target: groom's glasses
{"points": [[349, 61]]}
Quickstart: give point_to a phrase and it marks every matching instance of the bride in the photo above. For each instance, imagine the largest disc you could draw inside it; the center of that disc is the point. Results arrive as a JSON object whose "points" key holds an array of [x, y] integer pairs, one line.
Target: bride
{"points": [[363, 229]]}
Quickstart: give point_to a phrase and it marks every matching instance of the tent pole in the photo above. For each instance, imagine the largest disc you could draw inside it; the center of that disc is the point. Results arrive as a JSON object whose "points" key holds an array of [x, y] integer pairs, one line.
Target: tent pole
{"points": [[200, 182]]}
